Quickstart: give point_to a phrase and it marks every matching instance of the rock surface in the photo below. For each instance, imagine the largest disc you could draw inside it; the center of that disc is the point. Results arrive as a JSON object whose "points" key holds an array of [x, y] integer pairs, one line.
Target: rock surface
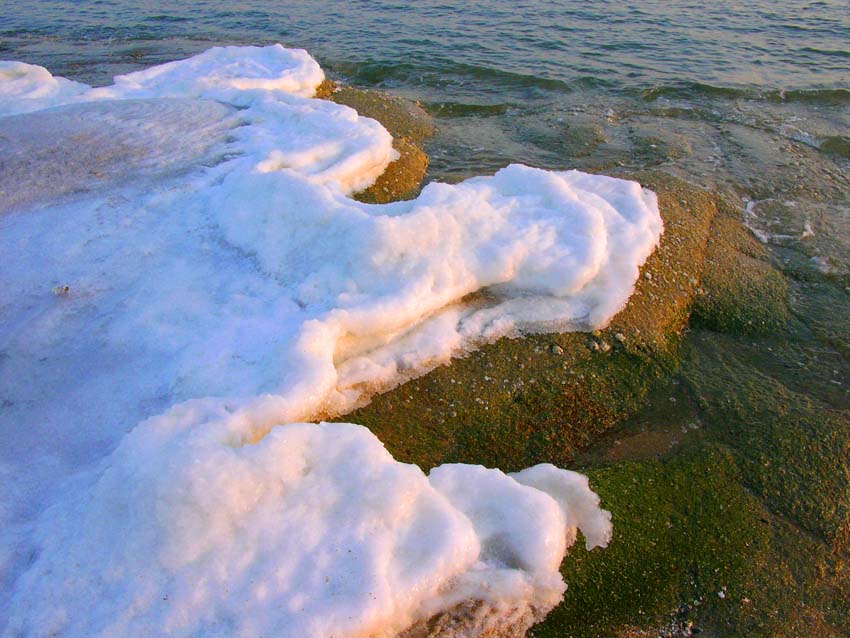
{"points": [[409, 125]]}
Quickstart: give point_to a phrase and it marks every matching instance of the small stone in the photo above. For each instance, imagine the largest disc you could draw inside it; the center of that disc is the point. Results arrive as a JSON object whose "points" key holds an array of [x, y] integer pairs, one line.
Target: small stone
{"points": [[556, 349], [648, 276], [620, 337], [594, 346], [605, 347]]}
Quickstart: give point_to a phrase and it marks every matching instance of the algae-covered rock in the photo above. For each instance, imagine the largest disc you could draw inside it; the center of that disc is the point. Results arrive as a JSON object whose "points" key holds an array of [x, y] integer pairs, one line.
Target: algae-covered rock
{"points": [[540, 398], [824, 305], [409, 125], [688, 535], [740, 292], [731, 511], [402, 118], [696, 552], [794, 448]]}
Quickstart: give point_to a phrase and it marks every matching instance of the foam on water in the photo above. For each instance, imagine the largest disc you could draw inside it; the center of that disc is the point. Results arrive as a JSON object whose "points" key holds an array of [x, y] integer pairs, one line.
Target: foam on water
{"points": [[219, 255]]}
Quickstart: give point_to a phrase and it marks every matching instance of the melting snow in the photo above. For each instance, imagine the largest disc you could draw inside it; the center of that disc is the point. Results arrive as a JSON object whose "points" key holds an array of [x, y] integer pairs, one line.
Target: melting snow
{"points": [[214, 271]]}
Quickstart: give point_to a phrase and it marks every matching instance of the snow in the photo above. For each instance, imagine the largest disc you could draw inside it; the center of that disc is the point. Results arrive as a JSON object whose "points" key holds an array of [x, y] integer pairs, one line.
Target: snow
{"points": [[27, 87], [312, 531], [219, 275], [219, 72]]}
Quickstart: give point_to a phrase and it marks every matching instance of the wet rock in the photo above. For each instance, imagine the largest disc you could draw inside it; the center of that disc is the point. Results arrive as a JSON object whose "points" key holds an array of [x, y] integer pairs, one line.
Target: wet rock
{"points": [[409, 125], [577, 394], [742, 292]]}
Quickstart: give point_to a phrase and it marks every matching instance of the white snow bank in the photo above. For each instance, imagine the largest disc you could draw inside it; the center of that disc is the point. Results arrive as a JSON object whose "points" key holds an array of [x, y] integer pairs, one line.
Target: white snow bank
{"points": [[217, 73], [314, 531], [277, 126], [203, 245], [27, 87], [220, 70], [385, 283]]}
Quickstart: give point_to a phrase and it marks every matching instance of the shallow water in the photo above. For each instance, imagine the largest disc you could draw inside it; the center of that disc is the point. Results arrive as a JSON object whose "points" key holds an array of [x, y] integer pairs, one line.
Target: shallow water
{"points": [[752, 100]]}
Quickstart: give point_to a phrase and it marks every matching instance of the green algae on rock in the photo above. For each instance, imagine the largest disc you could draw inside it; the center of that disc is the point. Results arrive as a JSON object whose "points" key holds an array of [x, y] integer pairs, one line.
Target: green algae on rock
{"points": [[541, 397], [687, 536], [741, 292], [715, 499], [794, 448]]}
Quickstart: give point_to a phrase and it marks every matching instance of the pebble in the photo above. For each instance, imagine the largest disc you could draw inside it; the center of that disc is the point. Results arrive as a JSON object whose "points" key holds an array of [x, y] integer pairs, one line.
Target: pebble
{"points": [[556, 349]]}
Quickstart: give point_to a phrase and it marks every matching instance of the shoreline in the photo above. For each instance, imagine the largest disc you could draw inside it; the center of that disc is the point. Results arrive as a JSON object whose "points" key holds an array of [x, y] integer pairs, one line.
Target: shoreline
{"points": [[645, 394]]}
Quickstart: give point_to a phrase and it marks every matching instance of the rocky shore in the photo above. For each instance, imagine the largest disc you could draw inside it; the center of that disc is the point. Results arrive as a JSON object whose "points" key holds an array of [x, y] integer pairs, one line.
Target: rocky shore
{"points": [[711, 416]]}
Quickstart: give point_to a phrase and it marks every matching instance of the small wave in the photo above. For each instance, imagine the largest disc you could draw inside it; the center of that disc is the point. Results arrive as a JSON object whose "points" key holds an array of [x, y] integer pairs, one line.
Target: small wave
{"points": [[459, 109], [692, 89], [688, 113], [814, 96], [593, 82], [836, 145], [166, 19], [441, 72], [831, 52]]}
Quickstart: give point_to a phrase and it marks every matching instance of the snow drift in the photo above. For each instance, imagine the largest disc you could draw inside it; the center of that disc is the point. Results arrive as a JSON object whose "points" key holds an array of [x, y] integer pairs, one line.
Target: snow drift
{"points": [[205, 245]]}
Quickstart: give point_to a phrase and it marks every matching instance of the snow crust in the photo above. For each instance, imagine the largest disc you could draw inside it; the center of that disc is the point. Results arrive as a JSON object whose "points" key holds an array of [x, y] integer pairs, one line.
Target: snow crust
{"points": [[204, 245], [313, 531], [218, 72]]}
